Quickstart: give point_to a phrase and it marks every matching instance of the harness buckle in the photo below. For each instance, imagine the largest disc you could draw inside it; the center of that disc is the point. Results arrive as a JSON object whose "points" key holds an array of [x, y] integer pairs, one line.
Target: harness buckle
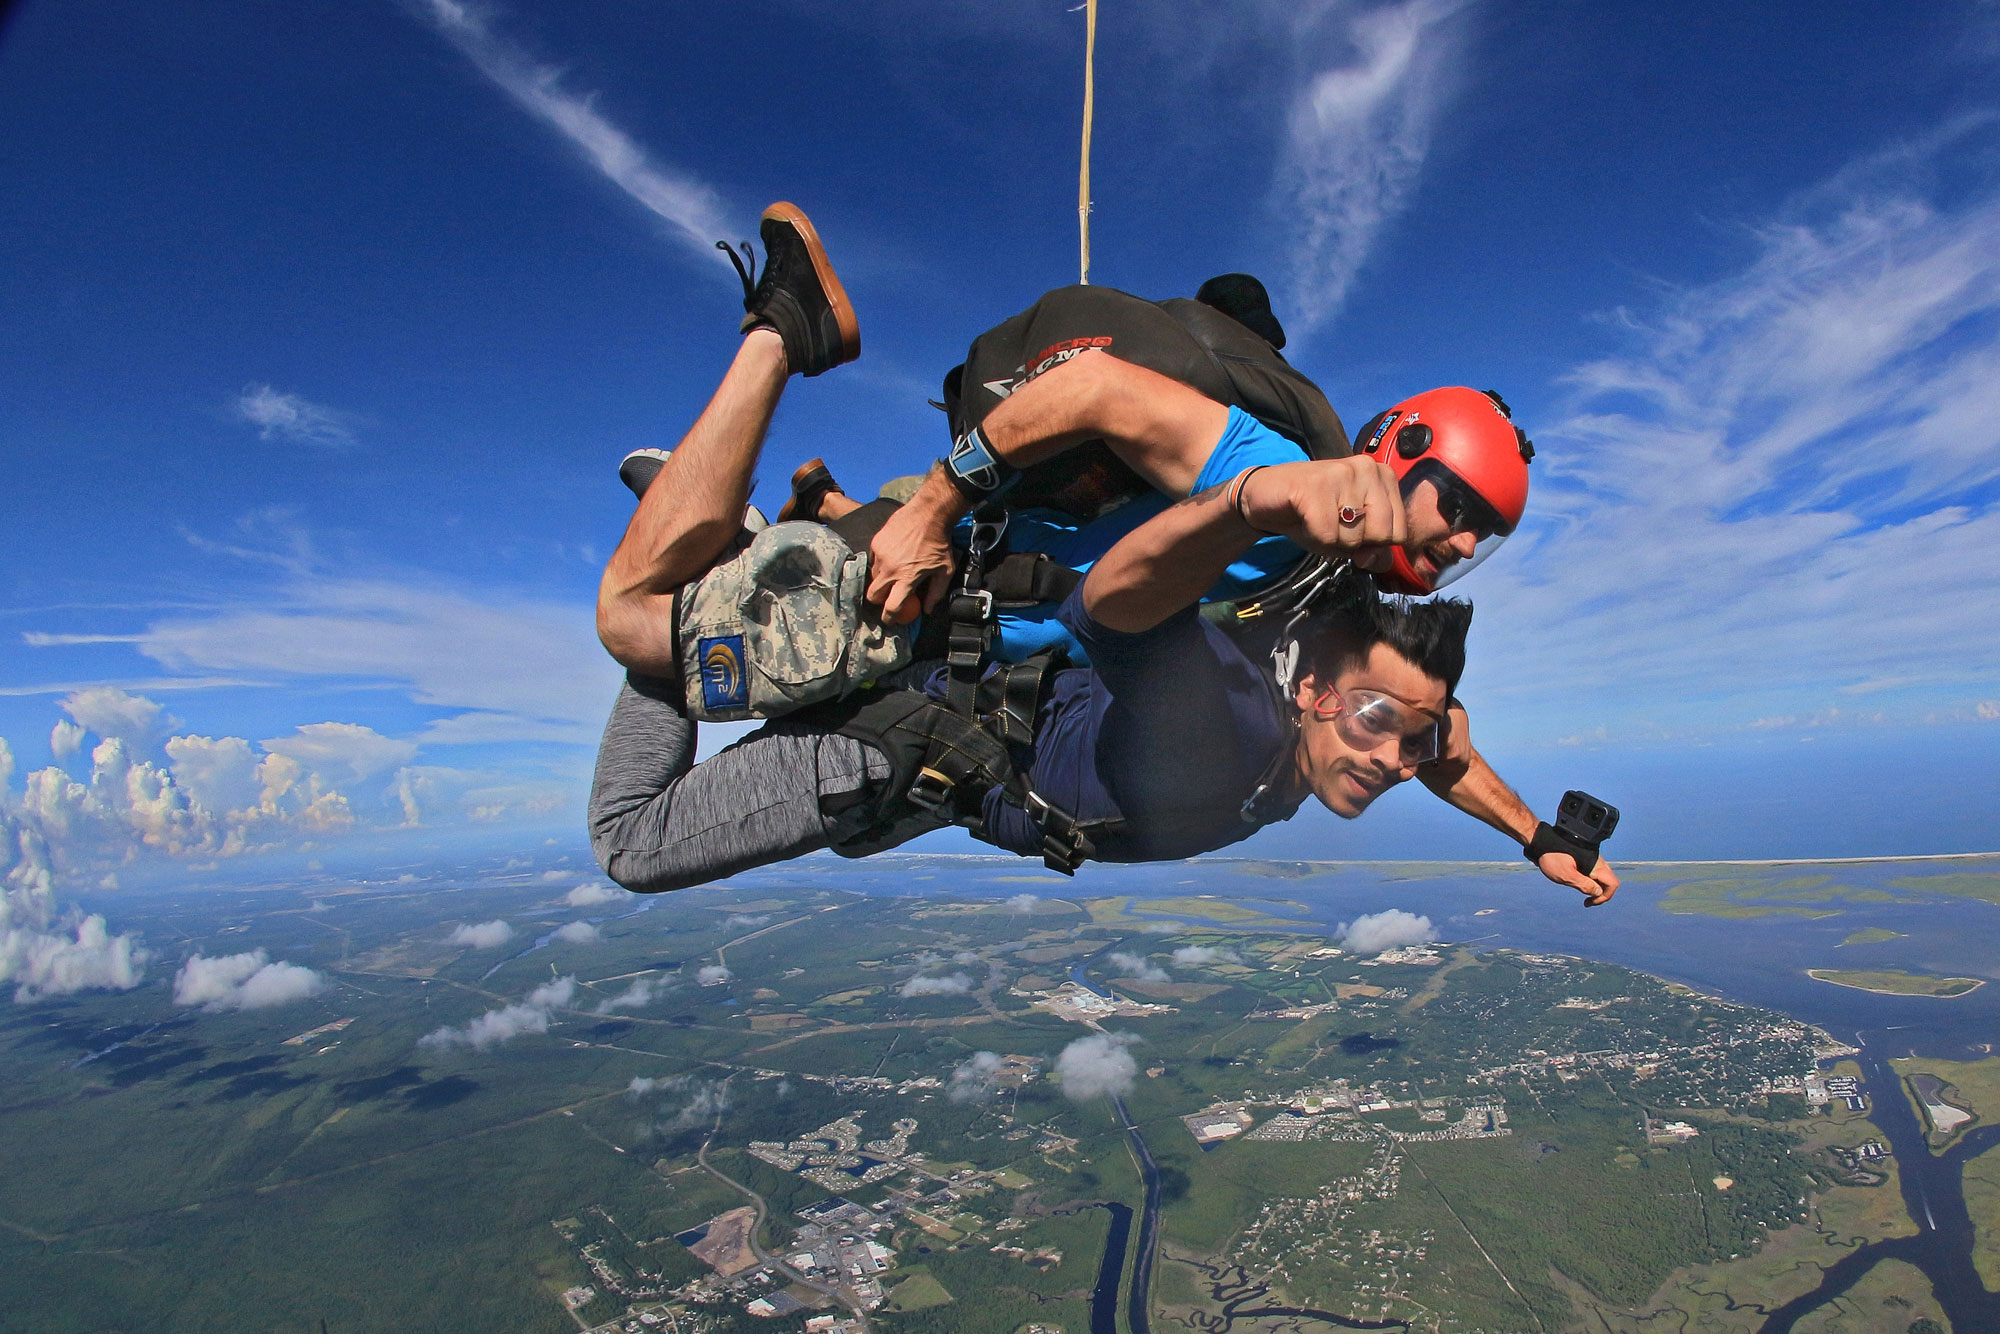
{"points": [[983, 598], [930, 789], [987, 530]]}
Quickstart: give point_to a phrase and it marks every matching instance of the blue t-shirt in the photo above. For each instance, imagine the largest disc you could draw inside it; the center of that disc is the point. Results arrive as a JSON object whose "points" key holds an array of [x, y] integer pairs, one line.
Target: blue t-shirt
{"points": [[1167, 731], [1245, 443]]}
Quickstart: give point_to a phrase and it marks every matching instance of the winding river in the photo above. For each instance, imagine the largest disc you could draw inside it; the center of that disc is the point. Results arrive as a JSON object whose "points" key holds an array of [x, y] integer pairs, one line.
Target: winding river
{"points": [[1934, 1193]]}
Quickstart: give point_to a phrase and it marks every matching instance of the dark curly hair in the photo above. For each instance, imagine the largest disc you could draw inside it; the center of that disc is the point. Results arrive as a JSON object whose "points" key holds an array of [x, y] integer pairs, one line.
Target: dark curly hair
{"points": [[1430, 634]]}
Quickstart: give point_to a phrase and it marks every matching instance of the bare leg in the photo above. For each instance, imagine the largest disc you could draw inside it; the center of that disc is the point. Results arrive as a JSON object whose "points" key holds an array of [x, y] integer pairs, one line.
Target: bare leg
{"points": [[692, 510]]}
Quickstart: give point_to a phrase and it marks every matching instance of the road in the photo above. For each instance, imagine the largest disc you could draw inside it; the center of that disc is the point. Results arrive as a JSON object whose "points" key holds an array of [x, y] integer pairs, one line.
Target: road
{"points": [[763, 1211]]}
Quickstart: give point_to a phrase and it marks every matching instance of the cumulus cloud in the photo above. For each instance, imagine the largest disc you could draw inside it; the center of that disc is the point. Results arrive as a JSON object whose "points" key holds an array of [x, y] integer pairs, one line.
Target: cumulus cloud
{"points": [[1358, 134], [687, 205], [220, 774], [589, 896], [956, 984], [111, 712], [975, 1079], [743, 919], [342, 753], [45, 951], [1024, 903], [1137, 967], [66, 739], [1388, 930], [578, 933], [482, 935], [249, 981], [638, 994], [1195, 955], [528, 1015], [292, 419], [1098, 1064], [712, 975]]}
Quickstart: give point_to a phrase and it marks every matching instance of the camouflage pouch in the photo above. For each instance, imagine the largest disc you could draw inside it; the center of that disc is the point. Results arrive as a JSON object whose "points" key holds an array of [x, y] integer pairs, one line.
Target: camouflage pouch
{"points": [[779, 625]]}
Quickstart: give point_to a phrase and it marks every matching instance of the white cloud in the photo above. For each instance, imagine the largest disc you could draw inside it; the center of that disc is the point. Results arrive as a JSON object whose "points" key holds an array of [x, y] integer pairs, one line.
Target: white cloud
{"points": [[686, 204], [1137, 966], [589, 896], [712, 975], [710, 1100], [482, 935], [1987, 711], [975, 1079], [1388, 930], [638, 994], [578, 933], [535, 663], [1359, 132], [243, 982], [1098, 1064], [219, 773], [1194, 955], [956, 984], [1784, 487], [342, 754], [1023, 903], [529, 1015], [740, 920], [111, 712], [294, 420], [65, 738]]}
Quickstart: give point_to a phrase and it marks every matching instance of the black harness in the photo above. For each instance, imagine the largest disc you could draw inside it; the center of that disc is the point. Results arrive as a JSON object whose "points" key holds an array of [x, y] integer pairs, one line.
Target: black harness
{"points": [[945, 758]]}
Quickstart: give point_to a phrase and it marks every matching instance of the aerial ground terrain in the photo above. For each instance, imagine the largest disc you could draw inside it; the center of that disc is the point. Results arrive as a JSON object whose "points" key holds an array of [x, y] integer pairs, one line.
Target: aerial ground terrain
{"points": [[972, 1100]]}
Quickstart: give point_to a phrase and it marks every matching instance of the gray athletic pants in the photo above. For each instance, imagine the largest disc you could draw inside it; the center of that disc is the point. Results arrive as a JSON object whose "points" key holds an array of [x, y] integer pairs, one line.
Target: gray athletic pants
{"points": [[660, 821]]}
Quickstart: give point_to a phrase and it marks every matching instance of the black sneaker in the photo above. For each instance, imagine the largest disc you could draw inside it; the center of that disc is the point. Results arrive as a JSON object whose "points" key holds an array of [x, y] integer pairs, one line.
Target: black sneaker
{"points": [[638, 469], [799, 295]]}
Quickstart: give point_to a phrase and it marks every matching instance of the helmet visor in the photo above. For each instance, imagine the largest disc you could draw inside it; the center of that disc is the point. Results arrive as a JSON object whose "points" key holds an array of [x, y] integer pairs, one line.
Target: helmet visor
{"points": [[1463, 510]]}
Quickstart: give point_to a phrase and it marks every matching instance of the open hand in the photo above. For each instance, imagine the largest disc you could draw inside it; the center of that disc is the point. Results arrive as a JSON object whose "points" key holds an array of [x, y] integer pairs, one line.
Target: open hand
{"points": [[1596, 888]]}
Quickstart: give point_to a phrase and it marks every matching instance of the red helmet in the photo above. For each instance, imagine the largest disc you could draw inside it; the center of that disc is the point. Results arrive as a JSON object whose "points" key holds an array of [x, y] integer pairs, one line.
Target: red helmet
{"points": [[1466, 445]]}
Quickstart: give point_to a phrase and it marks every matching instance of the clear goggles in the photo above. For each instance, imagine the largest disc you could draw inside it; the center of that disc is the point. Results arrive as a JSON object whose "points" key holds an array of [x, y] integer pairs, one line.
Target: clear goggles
{"points": [[1368, 720], [1464, 510]]}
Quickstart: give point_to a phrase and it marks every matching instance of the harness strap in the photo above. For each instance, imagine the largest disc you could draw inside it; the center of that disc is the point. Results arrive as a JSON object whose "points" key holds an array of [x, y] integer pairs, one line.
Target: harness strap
{"points": [[1027, 578]]}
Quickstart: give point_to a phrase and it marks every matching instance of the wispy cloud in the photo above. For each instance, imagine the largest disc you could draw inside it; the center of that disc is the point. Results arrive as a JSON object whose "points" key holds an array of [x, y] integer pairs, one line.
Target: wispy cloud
{"points": [[516, 669], [691, 208], [1787, 485], [1358, 133], [290, 418]]}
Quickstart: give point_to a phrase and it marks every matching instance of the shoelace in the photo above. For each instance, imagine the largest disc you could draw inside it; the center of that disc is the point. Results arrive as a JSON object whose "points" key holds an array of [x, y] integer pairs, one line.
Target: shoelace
{"points": [[742, 268]]}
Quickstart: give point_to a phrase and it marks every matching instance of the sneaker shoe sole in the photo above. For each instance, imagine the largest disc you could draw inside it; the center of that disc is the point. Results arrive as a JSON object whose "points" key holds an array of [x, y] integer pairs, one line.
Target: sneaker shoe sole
{"points": [[829, 282]]}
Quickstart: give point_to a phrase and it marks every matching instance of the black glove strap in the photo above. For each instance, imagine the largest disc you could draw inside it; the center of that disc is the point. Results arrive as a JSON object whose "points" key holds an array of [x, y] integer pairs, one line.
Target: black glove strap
{"points": [[1549, 839]]}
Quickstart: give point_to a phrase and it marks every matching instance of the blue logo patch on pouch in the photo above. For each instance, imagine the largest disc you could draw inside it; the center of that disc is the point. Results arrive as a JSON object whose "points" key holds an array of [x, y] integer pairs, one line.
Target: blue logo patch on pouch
{"points": [[723, 684]]}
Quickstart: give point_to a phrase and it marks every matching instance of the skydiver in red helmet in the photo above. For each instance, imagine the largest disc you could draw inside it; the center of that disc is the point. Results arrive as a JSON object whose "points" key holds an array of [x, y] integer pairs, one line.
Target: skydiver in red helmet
{"points": [[1064, 448]]}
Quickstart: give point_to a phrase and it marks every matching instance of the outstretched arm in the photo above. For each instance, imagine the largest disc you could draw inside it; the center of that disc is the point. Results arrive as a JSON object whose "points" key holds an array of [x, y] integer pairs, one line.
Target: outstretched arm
{"points": [[1462, 777], [1160, 427]]}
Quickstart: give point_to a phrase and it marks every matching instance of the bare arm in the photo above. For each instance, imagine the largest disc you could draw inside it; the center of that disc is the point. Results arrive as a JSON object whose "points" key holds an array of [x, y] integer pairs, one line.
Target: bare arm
{"points": [[1169, 561], [1462, 777], [1164, 430]]}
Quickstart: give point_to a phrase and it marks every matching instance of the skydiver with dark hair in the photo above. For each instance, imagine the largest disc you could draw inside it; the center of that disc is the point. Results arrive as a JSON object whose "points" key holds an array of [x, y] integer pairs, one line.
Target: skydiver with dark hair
{"points": [[1175, 740]]}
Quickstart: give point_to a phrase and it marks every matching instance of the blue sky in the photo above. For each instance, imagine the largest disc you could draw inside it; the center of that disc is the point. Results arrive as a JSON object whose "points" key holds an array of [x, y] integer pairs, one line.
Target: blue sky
{"points": [[326, 325]]}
